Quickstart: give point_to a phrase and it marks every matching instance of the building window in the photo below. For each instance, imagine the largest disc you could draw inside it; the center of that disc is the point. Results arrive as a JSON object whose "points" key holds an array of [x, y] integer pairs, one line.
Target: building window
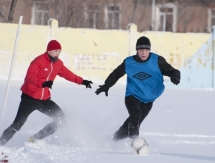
{"points": [[93, 15], [40, 13], [166, 19], [166, 16], [113, 17], [211, 19]]}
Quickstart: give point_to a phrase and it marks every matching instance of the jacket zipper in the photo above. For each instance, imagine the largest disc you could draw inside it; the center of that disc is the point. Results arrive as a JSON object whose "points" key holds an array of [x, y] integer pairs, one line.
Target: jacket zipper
{"points": [[47, 80]]}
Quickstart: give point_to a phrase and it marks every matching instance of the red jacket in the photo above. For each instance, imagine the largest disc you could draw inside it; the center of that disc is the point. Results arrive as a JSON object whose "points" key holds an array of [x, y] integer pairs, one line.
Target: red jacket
{"points": [[43, 69]]}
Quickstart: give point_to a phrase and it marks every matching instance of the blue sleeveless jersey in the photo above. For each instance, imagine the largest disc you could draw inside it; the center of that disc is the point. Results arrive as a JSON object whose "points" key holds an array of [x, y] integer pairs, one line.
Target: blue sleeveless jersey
{"points": [[144, 80]]}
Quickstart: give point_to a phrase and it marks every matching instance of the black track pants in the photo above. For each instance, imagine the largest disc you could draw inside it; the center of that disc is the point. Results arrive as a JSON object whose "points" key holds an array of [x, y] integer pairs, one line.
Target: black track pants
{"points": [[137, 112], [26, 107]]}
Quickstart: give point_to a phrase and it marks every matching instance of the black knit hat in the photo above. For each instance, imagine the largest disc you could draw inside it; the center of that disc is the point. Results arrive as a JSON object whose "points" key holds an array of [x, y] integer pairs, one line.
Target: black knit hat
{"points": [[143, 43]]}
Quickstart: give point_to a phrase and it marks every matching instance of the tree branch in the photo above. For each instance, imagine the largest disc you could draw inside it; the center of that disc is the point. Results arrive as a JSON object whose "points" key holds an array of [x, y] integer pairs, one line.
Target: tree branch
{"points": [[3, 17], [12, 7]]}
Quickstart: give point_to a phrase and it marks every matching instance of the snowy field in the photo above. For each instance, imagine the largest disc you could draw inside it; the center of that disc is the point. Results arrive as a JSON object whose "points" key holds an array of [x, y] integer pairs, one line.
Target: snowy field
{"points": [[179, 129]]}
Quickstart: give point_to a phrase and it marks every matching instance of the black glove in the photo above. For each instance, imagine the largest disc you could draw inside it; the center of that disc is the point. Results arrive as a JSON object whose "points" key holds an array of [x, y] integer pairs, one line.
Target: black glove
{"points": [[175, 80], [87, 83], [47, 84], [102, 88]]}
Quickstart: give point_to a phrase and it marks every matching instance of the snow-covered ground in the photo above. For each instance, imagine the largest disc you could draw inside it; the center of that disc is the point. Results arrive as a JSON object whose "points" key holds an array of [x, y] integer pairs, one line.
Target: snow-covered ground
{"points": [[179, 128]]}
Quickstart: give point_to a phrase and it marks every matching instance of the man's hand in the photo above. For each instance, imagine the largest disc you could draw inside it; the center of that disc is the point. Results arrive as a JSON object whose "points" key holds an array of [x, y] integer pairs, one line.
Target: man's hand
{"points": [[47, 84], [175, 80], [102, 88], [87, 83]]}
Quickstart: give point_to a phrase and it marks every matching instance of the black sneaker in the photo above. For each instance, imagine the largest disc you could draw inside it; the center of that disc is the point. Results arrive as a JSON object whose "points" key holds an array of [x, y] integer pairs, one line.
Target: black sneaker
{"points": [[2, 142], [120, 134], [133, 131]]}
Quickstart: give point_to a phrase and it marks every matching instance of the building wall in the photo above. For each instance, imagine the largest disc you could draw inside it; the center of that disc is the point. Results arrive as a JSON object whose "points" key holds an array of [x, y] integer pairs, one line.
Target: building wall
{"points": [[192, 15], [93, 54]]}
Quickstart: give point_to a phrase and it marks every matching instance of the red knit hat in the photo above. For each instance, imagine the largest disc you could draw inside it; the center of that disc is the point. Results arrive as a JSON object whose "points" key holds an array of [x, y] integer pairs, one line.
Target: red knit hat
{"points": [[53, 45]]}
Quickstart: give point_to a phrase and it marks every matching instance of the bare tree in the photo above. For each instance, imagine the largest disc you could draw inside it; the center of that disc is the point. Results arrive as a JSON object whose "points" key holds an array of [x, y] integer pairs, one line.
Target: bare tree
{"points": [[3, 17], [12, 8], [136, 3]]}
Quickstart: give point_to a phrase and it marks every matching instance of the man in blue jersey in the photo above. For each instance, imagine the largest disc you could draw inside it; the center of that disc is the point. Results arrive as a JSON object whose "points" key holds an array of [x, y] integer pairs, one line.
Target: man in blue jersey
{"points": [[145, 72]]}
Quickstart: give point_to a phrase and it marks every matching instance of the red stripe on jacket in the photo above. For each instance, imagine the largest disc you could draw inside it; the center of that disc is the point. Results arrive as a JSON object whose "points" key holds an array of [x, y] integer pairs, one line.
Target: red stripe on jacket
{"points": [[43, 69]]}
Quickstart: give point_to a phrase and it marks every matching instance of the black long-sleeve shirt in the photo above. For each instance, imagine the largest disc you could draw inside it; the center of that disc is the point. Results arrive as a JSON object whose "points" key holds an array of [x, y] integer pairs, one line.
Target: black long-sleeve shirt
{"points": [[166, 69]]}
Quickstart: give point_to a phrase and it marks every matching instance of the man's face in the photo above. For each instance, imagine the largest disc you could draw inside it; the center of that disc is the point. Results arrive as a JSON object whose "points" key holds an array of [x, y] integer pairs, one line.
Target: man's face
{"points": [[143, 53], [54, 53]]}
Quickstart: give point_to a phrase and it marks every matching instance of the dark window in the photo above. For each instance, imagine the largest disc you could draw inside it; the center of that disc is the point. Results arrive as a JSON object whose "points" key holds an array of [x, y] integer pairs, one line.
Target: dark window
{"points": [[113, 17], [212, 17], [93, 15], [166, 19], [40, 13]]}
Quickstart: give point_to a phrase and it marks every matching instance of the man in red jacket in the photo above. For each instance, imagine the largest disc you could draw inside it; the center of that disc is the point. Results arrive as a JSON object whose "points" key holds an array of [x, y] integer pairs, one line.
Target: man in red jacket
{"points": [[36, 95]]}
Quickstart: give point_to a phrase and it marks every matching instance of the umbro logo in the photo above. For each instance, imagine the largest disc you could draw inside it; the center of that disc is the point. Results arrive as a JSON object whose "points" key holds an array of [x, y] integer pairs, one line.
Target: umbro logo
{"points": [[45, 69], [142, 76]]}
